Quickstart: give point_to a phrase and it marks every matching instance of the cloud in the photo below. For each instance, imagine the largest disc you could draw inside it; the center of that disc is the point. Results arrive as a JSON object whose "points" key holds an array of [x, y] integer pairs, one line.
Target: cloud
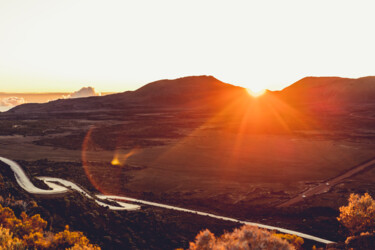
{"points": [[83, 92], [12, 101]]}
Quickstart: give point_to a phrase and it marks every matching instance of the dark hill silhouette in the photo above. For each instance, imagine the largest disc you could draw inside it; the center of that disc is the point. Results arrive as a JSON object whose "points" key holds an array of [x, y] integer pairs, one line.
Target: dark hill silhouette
{"points": [[344, 91], [192, 91], [208, 92], [189, 84]]}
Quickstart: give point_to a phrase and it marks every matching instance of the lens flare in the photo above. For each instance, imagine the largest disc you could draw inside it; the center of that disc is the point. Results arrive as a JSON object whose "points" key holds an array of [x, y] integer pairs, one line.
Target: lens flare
{"points": [[115, 161], [107, 174], [119, 158]]}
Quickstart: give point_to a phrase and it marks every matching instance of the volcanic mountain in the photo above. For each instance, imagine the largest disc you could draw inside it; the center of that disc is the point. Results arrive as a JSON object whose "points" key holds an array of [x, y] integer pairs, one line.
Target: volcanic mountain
{"points": [[331, 90], [192, 91], [209, 92]]}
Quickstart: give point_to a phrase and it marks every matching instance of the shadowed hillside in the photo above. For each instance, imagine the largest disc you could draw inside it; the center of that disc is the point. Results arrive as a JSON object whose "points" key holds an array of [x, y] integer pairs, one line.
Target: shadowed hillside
{"points": [[307, 104], [190, 91], [330, 90], [193, 91], [208, 92]]}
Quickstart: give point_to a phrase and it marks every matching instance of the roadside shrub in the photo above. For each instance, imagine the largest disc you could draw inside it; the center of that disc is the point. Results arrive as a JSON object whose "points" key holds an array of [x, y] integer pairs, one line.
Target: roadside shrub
{"points": [[7, 241], [21, 227], [296, 241], [89, 247], [363, 241], [21, 204], [28, 233], [37, 241], [205, 240], [2, 184], [247, 237], [359, 215], [67, 239]]}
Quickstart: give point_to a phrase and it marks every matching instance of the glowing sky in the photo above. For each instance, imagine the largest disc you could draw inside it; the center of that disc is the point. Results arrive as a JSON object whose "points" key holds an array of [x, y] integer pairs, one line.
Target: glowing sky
{"points": [[62, 45]]}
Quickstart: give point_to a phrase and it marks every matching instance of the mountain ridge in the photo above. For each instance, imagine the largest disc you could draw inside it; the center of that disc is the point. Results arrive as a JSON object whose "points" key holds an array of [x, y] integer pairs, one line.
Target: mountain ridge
{"points": [[188, 91], [330, 89], [206, 91]]}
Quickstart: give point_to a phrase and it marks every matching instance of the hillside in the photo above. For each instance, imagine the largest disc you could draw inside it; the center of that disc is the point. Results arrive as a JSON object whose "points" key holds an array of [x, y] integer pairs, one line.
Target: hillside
{"points": [[330, 90], [209, 92], [240, 157], [192, 91]]}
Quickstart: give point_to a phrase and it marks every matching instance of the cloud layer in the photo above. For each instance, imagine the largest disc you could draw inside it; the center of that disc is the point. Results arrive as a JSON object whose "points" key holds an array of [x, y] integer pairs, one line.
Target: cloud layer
{"points": [[83, 92], [12, 101]]}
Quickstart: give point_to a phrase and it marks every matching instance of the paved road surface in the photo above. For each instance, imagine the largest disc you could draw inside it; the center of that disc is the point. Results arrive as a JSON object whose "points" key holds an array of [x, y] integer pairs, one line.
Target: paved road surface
{"points": [[60, 186]]}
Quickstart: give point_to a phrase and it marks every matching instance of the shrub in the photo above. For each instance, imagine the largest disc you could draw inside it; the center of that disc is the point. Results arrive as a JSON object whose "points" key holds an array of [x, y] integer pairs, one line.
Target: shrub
{"points": [[359, 215], [67, 239], [205, 240], [21, 204], [247, 237], [7, 218], [29, 233], [88, 247], [21, 227], [296, 241], [36, 240], [363, 241], [7, 241]]}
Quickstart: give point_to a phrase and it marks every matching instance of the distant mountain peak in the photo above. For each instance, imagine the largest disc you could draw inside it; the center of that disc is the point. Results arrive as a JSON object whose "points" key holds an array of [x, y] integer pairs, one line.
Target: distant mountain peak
{"points": [[187, 82], [197, 91], [182, 86]]}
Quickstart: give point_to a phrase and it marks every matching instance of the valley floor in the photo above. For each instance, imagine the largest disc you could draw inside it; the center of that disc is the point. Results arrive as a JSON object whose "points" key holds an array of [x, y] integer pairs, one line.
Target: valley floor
{"points": [[201, 161]]}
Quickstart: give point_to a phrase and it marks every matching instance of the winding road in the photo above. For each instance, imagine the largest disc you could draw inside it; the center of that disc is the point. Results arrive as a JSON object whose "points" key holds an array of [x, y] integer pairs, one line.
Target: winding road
{"points": [[58, 186], [61, 186]]}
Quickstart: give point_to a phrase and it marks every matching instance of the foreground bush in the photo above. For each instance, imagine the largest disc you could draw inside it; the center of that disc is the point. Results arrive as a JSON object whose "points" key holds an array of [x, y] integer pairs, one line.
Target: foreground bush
{"points": [[22, 227], [7, 241], [296, 241], [28, 233], [362, 241], [359, 215], [247, 237]]}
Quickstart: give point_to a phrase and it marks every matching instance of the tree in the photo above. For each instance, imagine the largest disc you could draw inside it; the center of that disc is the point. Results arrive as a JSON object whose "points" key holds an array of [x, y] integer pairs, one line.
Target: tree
{"points": [[359, 215]]}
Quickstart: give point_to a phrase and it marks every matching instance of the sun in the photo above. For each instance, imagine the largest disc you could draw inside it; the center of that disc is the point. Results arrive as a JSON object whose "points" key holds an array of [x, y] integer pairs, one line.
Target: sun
{"points": [[256, 93]]}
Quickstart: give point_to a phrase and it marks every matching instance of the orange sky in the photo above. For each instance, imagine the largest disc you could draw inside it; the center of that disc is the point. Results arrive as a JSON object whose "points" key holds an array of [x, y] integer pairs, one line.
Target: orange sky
{"points": [[60, 46]]}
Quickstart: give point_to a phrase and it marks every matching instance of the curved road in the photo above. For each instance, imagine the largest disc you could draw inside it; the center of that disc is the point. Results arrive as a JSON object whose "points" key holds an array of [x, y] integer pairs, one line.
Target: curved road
{"points": [[326, 185], [60, 186]]}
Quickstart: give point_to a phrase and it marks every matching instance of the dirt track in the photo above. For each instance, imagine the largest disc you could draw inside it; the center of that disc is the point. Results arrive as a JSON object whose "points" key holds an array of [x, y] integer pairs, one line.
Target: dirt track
{"points": [[326, 185]]}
